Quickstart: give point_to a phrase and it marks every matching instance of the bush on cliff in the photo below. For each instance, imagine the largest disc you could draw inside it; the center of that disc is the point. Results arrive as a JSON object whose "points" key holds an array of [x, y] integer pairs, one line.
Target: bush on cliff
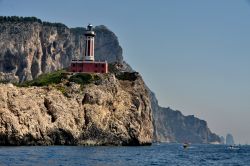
{"points": [[120, 74], [83, 78], [46, 79], [130, 76], [58, 76]]}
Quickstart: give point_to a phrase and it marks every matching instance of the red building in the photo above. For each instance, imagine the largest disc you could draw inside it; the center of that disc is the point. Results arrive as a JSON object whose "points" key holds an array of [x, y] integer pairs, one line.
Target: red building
{"points": [[88, 63], [88, 66]]}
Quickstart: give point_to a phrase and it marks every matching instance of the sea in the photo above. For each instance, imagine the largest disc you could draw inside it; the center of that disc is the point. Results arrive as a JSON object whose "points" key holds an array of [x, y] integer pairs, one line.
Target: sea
{"points": [[157, 154]]}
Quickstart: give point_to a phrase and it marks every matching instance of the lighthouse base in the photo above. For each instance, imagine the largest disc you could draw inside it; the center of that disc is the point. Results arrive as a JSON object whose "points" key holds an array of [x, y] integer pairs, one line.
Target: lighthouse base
{"points": [[79, 66]]}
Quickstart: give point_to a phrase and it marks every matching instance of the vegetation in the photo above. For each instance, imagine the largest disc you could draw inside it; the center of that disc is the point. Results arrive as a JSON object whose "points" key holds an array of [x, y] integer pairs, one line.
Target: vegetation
{"points": [[46, 79], [4, 81], [127, 76], [60, 80], [57, 77], [62, 89], [122, 75], [29, 19], [113, 68], [19, 19], [83, 78]]}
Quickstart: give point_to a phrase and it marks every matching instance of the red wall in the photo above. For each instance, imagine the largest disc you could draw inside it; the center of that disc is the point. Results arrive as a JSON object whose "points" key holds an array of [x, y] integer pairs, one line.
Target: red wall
{"points": [[89, 67]]}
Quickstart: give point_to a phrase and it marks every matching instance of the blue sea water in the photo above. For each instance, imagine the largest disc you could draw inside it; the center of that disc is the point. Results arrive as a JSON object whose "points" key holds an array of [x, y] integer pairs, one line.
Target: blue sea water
{"points": [[158, 154]]}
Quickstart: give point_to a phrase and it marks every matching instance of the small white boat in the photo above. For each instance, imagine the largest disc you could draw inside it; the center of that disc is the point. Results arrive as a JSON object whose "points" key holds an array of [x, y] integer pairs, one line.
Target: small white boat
{"points": [[233, 147], [186, 145]]}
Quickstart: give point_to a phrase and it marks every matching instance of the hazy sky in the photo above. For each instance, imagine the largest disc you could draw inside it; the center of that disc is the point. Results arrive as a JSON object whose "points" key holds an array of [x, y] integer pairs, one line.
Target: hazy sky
{"points": [[194, 54]]}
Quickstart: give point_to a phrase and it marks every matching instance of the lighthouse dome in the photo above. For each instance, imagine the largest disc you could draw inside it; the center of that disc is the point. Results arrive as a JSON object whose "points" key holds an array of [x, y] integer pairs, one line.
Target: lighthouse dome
{"points": [[90, 31], [90, 27]]}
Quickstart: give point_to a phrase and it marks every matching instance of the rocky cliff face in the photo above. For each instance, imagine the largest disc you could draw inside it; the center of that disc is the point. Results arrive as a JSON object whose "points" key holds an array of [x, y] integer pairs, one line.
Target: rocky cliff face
{"points": [[28, 49], [106, 112], [173, 126]]}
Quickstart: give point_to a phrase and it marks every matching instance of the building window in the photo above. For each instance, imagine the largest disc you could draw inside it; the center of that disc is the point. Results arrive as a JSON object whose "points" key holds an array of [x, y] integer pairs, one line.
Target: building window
{"points": [[95, 65], [102, 71], [102, 65], [73, 65]]}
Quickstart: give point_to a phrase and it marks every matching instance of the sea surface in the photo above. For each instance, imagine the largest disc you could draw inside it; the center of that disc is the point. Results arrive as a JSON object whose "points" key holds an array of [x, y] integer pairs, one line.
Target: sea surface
{"points": [[157, 154]]}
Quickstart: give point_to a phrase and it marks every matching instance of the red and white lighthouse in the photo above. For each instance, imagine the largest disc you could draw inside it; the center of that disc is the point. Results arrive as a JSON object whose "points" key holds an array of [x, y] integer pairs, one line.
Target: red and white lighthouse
{"points": [[90, 41], [88, 63]]}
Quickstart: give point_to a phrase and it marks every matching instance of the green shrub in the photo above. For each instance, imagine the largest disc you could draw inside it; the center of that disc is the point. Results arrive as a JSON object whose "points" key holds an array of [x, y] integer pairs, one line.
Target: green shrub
{"points": [[46, 79], [127, 76], [63, 90], [57, 77], [84, 78]]}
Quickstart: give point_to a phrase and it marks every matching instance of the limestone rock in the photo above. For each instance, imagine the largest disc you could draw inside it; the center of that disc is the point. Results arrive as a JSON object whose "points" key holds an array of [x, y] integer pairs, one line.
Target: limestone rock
{"points": [[115, 112], [8, 77]]}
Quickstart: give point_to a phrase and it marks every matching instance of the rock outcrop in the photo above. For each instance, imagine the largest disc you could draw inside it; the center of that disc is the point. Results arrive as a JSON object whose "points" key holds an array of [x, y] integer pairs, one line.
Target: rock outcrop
{"points": [[109, 111], [229, 139]]}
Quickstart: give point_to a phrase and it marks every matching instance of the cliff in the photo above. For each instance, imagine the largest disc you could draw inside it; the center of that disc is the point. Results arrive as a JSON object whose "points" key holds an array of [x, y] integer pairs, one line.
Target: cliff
{"points": [[80, 109], [30, 47], [173, 126]]}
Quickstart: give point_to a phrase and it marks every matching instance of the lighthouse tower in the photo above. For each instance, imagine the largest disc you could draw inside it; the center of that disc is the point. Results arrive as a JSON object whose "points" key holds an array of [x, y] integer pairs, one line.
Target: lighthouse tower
{"points": [[90, 43], [88, 63]]}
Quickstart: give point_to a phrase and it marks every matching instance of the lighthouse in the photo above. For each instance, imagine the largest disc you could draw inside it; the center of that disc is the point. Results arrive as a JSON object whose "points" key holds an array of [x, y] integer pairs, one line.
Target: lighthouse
{"points": [[88, 64], [90, 44]]}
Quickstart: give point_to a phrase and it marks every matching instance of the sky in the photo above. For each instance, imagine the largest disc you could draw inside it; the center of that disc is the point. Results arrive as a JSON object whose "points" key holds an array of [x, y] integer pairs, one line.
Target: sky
{"points": [[195, 54]]}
